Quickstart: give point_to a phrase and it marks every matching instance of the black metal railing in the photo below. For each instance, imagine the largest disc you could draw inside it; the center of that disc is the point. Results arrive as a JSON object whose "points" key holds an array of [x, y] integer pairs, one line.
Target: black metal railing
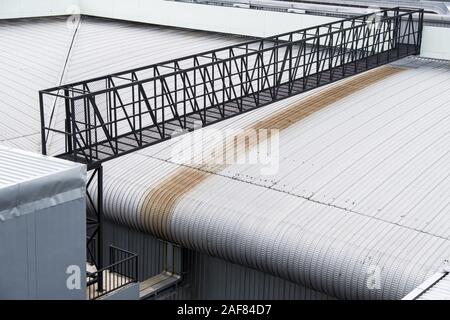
{"points": [[122, 270], [113, 115]]}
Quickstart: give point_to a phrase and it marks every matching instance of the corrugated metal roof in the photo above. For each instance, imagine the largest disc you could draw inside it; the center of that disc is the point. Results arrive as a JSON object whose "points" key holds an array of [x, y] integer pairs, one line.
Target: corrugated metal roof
{"points": [[438, 291], [32, 56], [18, 166], [437, 287], [34, 52], [105, 46], [362, 182]]}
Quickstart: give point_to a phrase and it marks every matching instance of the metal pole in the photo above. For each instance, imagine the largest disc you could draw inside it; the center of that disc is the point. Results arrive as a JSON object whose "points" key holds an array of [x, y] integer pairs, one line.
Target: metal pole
{"points": [[67, 124], [419, 36], [73, 130], [43, 140], [291, 80], [100, 227]]}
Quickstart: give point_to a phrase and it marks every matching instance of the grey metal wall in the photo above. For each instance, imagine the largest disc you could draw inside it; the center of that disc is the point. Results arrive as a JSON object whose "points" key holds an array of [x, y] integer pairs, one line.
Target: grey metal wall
{"points": [[212, 278], [128, 292], [205, 277], [149, 249], [37, 248]]}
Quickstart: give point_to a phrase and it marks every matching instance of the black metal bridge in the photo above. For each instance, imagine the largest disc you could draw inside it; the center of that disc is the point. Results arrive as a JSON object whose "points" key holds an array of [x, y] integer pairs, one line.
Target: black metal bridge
{"points": [[106, 117], [116, 114]]}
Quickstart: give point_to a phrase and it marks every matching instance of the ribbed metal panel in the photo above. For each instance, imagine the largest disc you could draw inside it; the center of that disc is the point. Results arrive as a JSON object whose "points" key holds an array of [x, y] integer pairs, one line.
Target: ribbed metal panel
{"points": [[213, 278], [17, 166], [31, 184], [362, 183], [205, 277], [148, 248], [436, 287], [32, 56], [438, 291], [42, 226], [39, 53], [104, 46]]}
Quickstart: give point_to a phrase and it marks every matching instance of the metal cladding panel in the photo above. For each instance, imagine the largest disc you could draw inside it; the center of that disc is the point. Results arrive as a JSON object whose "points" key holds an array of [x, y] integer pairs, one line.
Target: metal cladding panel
{"points": [[361, 186], [212, 278], [42, 225], [32, 56], [38, 248], [149, 249], [17, 166], [30, 182], [205, 277]]}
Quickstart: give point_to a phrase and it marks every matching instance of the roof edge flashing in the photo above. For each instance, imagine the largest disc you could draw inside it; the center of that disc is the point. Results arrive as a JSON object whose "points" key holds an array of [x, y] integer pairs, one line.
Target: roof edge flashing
{"points": [[31, 182]]}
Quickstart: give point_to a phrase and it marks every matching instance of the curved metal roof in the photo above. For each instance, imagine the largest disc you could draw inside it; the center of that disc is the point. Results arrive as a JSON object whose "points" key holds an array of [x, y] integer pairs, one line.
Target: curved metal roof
{"points": [[361, 186]]}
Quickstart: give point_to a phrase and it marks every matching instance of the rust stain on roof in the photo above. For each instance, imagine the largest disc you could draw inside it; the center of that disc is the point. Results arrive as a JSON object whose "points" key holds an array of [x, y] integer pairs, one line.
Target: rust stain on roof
{"points": [[160, 202]]}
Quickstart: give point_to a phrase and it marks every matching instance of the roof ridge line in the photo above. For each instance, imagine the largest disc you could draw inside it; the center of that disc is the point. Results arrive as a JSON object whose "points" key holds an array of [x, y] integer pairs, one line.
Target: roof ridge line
{"points": [[299, 196]]}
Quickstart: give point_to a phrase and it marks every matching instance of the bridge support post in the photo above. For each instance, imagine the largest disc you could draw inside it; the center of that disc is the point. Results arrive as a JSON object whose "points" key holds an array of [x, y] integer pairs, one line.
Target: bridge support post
{"points": [[94, 217]]}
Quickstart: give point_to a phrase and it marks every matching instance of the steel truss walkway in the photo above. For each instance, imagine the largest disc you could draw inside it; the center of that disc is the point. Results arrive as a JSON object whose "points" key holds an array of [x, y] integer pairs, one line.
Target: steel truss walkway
{"points": [[117, 114], [110, 116]]}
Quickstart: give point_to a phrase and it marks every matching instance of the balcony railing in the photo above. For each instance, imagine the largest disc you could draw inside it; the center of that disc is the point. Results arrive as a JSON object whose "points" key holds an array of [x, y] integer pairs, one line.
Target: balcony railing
{"points": [[122, 270]]}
